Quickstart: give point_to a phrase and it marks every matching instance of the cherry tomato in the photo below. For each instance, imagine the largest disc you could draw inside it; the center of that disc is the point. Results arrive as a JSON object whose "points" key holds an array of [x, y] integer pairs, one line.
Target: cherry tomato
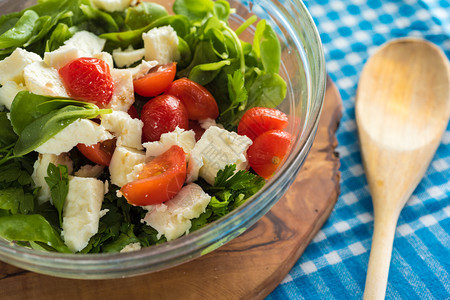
{"points": [[268, 151], [160, 180], [199, 102], [257, 120], [133, 112], [198, 130], [88, 79], [162, 114], [99, 153], [156, 81]]}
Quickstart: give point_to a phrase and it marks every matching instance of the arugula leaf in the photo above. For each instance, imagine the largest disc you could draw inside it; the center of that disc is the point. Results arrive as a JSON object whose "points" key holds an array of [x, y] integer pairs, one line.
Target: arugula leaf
{"points": [[31, 228], [58, 182]]}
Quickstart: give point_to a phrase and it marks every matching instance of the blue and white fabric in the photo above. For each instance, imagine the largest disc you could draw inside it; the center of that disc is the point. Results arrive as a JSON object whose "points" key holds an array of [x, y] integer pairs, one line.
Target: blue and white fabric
{"points": [[334, 265]]}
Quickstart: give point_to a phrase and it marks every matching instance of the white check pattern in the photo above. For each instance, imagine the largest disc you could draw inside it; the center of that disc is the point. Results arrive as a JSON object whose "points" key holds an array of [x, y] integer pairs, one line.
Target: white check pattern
{"points": [[334, 265]]}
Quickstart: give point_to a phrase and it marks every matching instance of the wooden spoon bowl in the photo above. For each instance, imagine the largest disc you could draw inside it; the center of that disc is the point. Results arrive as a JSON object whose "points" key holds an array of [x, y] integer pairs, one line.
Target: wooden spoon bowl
{"points": [[402, 110]]}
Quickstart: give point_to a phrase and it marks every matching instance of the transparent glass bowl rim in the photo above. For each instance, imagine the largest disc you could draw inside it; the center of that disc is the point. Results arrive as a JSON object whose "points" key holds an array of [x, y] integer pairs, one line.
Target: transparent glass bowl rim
{"points": [[202, 241]]}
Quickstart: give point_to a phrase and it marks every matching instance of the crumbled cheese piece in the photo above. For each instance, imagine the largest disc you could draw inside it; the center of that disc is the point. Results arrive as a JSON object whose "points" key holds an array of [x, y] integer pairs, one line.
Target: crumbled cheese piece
{"points": [[173, 218], [112, 5], [128, 56], [123, 94], [81, 131], [43, 80], [40, 172], [127, 130], [142, 69], [131, 247], [93, 171], [81, 212], [87, 42], [206, 123], [106, 57], [11, 68], [217, 148], [161, 44], [180, 137], [122, 164], [62, 56], [8, 92]]}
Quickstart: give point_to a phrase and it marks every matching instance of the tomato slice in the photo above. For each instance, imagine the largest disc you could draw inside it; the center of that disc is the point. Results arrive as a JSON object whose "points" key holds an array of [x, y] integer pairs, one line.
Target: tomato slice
{"points": [[199, 102], [268, 151], [88, 79], [198, 130], [99, 153], [257, 120], [162, 114], [160, 180], [156, 81]]}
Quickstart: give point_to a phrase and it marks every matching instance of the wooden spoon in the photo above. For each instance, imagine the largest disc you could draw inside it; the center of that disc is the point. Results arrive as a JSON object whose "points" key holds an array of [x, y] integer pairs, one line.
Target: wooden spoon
{"points": [[402, 110]]}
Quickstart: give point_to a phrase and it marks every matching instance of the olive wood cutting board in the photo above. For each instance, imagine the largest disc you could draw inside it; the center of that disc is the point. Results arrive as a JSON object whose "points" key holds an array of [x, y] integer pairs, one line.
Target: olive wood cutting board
{"points": [[248, 267]]}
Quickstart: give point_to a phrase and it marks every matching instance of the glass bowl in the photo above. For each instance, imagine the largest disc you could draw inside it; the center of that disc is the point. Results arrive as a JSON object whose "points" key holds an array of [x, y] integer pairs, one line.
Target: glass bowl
{"points": [[303, 68]]}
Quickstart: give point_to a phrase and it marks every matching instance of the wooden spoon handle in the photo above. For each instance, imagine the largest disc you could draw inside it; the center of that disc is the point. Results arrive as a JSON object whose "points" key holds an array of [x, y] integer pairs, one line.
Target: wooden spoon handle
{"points": [[380, 256]]}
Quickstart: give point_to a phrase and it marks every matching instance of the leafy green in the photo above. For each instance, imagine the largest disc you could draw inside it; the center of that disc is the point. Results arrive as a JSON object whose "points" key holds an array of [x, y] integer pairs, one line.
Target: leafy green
{"points": [[31, 228], [36, 118], [58, 182], [230, 190], [144, 14], [21, 32], [267, 47], [57, 38], [7, 135]]}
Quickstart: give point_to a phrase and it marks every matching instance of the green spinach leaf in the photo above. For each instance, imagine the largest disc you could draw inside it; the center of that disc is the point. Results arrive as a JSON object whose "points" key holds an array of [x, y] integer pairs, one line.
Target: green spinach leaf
{"points": [[31, 228], [21, 32], [143, 14]]}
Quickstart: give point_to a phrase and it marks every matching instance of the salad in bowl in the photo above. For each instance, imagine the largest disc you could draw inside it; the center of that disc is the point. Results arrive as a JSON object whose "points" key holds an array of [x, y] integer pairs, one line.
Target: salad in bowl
{"points": [[135, 136]]}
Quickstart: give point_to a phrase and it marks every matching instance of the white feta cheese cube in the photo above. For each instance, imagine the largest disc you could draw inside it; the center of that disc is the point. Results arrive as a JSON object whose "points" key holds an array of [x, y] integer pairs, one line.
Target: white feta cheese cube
{"points": [[206, 123], [93, 171], [11, 68], [122, 164], [123, 94], [106, 57], [87, 42], [216, 149], [81, 212], [180, 137], [173, 218], [127, 57], [40, 172], [82, 131], [131, 247], [62, 56], [43, 80], [127, 130], [8, 92], [142, 69], [111, 5], [161, 44]]}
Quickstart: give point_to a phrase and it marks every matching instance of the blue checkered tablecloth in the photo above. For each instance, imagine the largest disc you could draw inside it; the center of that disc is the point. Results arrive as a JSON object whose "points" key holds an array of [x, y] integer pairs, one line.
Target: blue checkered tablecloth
{"points": [[334, 265]]}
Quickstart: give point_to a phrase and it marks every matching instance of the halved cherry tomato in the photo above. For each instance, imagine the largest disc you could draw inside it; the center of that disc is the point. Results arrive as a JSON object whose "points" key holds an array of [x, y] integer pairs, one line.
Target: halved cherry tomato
{"points": [[160, 180], [162, 114], [156, 81], [199, 102], [88, 79], [198, 130], [99, 153], [268, 151], [257, 120], [133, 112]]}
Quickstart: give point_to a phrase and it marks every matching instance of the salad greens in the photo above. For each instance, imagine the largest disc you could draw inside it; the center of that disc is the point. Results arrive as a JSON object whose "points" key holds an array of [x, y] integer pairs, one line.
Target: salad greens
{"points": [[239, 74]]}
